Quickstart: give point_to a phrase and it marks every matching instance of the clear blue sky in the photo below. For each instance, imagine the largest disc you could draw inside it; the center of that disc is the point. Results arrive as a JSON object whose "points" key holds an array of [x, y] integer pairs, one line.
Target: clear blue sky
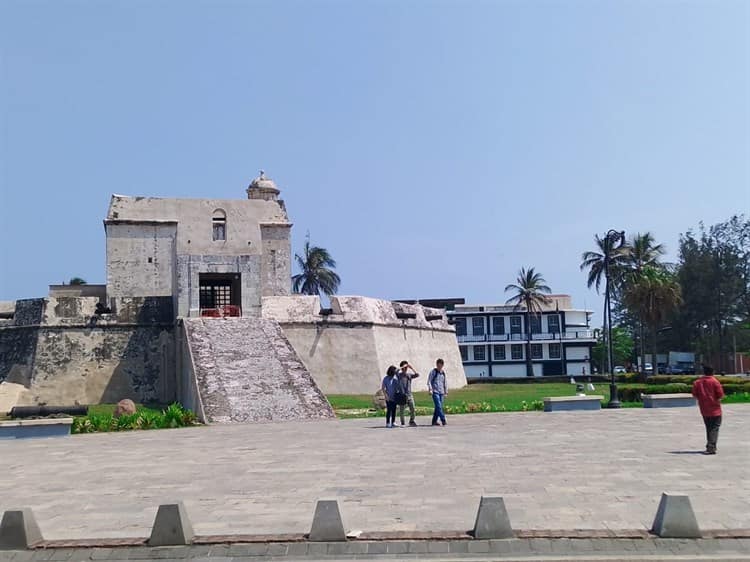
{"points": [[433, 147]]}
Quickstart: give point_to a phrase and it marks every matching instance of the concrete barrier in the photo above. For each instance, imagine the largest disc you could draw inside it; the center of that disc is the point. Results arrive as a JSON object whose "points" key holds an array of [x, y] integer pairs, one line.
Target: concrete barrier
{"points": [[668, 400], [172, 526], [492, 520], [568, 403], [327, 525], [675, 518], [25, 429], [19, 530]]}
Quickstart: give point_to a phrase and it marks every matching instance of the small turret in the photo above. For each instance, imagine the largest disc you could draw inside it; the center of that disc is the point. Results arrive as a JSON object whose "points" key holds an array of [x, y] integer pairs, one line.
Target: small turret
{"points": [[263, 187]]}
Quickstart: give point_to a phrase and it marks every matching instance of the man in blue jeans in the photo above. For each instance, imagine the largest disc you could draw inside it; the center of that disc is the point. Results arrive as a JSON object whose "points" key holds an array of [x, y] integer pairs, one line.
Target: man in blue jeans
{"points": [[438, 387]]}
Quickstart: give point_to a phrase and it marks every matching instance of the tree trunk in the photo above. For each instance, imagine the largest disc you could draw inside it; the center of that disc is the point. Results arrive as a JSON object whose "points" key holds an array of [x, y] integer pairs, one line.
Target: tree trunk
{"points": [[654, 360], [642, 346], [529, 364]]}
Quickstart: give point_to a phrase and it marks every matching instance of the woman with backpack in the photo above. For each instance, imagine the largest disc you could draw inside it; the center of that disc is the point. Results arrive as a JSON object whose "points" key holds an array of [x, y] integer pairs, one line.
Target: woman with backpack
{"points": [[390, 389]]}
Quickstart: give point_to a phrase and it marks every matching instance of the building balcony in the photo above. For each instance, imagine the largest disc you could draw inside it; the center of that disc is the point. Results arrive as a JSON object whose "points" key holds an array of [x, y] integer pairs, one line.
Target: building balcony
{"points": [[471, 338], [520, 338]]}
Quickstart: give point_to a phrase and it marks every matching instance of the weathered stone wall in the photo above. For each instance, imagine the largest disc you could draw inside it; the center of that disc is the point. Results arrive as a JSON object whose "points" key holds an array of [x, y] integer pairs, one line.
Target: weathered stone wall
{"points": [[195, 219], [102, 365], [349, 351], [140, 258], [63, 353], [276, 272]]}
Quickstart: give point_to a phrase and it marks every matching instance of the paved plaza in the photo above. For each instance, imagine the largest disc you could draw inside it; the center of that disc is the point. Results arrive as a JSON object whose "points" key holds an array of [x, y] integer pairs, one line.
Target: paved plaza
{"points": [[567, 470]]}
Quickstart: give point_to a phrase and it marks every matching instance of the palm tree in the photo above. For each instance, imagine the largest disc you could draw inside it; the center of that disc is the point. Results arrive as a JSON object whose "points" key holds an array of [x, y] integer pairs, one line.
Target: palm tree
{"points": [[316, 272], [76, 281], [655, 294], [607, 262], [641, 252], [530, 292]]}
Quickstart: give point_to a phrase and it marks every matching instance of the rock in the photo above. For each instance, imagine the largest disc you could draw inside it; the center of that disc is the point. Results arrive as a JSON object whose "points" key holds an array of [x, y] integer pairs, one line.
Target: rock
{"points": [[378, 400], [124, 408]]}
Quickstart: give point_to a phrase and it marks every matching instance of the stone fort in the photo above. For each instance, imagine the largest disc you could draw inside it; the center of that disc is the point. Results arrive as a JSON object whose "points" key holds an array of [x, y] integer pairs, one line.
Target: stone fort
{"points": [[197, 308]]}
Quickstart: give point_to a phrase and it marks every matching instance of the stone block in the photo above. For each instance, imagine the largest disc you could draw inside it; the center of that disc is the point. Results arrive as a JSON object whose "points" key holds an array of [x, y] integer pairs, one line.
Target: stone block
{"points": [[19, 530], [327, 524], [675, 518], [682, 400], [171, 526], [492, 520], [570, 403]]}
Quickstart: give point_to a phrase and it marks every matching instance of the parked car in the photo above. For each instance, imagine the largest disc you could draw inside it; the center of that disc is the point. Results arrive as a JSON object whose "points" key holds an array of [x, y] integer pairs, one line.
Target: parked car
{"points": [[619, 369], [649, 368]]}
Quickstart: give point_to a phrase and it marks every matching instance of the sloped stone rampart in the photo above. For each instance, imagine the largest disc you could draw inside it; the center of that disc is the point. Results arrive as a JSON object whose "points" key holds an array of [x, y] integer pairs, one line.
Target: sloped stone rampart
{"points": [[348, 350], [247, 371]]}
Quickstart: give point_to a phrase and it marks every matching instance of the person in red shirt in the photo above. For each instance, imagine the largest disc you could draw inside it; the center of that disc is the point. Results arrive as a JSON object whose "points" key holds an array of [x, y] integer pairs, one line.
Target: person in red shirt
{"points": [[707, 390]]}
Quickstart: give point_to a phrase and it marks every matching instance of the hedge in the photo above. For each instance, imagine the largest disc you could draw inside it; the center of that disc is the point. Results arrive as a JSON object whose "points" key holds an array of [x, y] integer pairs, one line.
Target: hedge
{"points": [[633, 393], [669, 379]]}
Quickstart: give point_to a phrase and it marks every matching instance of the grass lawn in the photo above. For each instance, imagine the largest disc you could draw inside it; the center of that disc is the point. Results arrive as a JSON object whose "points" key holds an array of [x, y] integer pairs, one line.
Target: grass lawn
{"points": [[473, 398]]}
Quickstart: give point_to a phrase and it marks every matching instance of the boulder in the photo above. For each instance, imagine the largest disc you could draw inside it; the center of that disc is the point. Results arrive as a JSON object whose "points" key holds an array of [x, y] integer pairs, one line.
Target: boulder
{"points": [[124, 408], [378, 400]]}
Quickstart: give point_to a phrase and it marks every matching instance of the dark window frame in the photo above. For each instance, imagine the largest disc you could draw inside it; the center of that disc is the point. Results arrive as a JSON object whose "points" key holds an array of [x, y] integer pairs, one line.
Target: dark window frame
{"points": [[516, 352], [498, 356], [483, 354]]}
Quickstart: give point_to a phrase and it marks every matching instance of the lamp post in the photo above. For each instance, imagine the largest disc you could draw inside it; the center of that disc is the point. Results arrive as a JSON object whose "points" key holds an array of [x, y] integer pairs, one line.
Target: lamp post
{"points": [[611, 238]]}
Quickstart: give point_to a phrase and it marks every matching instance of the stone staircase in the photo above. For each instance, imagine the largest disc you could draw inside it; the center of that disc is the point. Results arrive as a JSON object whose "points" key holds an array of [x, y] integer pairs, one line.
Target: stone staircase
{"points": [[247, 372]]}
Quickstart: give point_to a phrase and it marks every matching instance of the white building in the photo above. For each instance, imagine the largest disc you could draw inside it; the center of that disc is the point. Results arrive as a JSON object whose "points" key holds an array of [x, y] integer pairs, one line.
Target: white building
{"points": [[492, 339]]}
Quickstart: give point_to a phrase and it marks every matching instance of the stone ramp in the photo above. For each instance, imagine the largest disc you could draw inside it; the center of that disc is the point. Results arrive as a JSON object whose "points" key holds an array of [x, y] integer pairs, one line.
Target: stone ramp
{"points": [[247, 372]]}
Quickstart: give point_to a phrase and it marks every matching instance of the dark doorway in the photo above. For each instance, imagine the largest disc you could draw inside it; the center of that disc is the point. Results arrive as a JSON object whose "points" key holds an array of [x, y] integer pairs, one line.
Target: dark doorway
{"points": [[220, 294], [550, 369]]}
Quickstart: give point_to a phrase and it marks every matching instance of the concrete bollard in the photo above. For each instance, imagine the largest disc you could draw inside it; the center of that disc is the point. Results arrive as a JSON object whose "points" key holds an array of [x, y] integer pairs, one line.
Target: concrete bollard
{"points": [[492, 520], [171, 526], [19, 530], [675, 518], [327, 525]]}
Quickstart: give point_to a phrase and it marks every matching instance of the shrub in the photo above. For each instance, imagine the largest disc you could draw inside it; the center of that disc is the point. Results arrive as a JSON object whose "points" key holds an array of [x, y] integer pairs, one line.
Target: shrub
{"points": [[172, 416]]}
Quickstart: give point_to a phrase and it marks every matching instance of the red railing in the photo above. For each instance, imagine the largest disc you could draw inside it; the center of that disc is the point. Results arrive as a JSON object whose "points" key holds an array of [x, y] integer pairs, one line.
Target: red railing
{"points": [[221, 311]]}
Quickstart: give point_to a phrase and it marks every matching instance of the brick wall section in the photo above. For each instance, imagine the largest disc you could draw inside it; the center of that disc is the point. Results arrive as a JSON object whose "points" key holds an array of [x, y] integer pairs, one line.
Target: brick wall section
{"points": [[247, 371]]}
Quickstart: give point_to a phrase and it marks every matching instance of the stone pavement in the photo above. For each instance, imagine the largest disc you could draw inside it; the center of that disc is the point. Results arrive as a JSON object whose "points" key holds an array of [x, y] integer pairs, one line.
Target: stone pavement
{"points": [[566, 470]]}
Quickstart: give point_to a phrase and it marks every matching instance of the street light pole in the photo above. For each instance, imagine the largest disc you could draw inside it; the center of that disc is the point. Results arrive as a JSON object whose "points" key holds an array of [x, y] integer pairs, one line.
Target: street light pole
{"points": [[610, 238]]}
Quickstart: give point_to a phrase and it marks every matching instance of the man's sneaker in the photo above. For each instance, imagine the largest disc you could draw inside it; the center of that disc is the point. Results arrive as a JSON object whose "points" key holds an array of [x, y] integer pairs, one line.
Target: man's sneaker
{"points": [[402, 422], [443, 422], [709, 452], [388, 425], [413, 423]]}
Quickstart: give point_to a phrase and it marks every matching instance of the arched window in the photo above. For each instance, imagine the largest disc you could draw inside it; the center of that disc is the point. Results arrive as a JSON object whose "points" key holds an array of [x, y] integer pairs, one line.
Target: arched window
{"points": [[219, 220]]}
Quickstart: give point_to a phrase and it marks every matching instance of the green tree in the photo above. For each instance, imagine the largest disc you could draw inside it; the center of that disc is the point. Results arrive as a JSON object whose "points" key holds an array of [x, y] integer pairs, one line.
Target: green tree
{"points": [[622, 347], [714, 273], [76, 281], [316, 272], [655, 294], [640, 252], [608, 262], [530, 291]]}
